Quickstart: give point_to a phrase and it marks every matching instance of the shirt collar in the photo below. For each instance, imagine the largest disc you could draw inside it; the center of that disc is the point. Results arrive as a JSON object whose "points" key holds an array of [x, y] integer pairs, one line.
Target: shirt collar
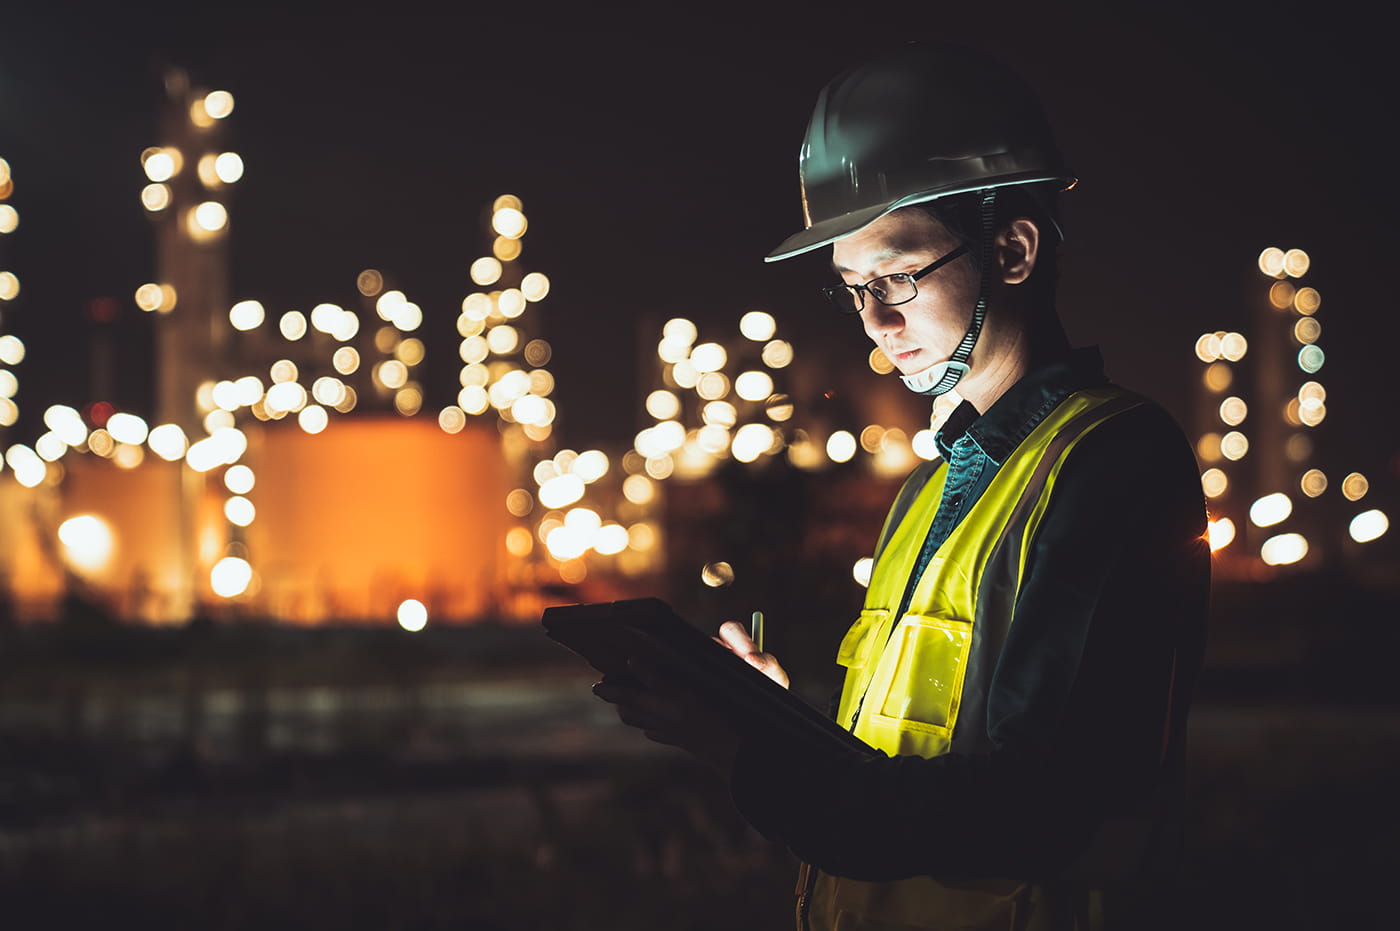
{"points": [[1025, 404]]}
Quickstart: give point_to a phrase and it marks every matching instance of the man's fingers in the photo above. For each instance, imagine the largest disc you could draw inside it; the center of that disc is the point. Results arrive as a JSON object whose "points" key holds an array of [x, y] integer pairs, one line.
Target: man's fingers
{"points": [[733, 635]]}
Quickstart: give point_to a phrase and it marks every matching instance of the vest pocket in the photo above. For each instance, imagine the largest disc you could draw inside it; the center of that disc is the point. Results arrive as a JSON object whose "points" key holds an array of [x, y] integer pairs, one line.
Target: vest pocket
{"points": [[860, 638], [913, 703]]}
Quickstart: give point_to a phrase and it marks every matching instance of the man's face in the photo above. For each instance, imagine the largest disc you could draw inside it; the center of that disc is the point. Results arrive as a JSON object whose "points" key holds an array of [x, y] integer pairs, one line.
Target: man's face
{"points": [[926, 330]]}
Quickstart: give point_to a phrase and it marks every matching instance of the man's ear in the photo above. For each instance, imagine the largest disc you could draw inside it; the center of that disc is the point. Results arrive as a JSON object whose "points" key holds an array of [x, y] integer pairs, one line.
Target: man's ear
{"points": [[1017, 246]]}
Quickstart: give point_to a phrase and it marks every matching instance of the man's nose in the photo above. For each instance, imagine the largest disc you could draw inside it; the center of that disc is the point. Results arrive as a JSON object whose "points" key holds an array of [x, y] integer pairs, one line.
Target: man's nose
{"points": [[881, 318]]}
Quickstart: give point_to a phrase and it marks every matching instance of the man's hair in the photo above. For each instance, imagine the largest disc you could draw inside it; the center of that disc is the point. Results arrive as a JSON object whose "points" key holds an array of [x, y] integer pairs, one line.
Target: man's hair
{"points": [[962, 216]]}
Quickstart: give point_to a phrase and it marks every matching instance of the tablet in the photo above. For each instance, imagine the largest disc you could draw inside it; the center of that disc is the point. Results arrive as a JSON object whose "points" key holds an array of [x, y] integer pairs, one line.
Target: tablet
{"points": [[607, 633]]}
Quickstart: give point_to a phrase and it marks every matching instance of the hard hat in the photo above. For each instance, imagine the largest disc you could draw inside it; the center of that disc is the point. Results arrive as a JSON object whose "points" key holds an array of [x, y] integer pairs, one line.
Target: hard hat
{"points": [[923, 121]]}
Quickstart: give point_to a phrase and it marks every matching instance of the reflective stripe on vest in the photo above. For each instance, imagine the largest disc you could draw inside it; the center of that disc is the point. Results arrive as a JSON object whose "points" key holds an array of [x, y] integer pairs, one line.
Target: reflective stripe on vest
{"points": [[909, 684]]}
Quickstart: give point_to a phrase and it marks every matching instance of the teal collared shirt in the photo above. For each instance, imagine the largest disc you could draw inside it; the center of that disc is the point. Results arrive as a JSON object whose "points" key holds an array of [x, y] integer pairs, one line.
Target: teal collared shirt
{"points": [[975, 445]]}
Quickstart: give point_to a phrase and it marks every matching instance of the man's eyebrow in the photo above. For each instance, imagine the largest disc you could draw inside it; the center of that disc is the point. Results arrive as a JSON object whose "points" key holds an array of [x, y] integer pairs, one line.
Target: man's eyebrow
{"points": [[884, 255]]}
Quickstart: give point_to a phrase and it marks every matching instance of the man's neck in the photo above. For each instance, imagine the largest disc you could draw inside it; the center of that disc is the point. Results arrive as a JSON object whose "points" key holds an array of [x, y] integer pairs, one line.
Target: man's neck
{"points": [[1027, 348]]}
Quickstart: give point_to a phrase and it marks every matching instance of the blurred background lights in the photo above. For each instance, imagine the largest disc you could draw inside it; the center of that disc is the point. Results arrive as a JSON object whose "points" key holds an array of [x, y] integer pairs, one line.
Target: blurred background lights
{"points": [[708, 357], [210, 216], [88, 542], [155, 197], [9, 286], [230, 576], [507, 250], [486, 270], [1270, 509], [758, 326], [1214, 482], [1313, 482], [1234, 445], [313, 418], [777, 354], [1271, 262], [862, 571], [679, 331], [1311, 358], [751, 441], [239, 511], [1296, 263], [753, 386], [591, 465], [168, 442], [228, 167], [218, 104], [879, 363], [1355, 486], [1368, 525], [511, 303], [534, 287], [638, 489], [711, 386], [29, 468], [1307, 301], [841, 446], [1233, 347], [292, 325], [1307, 330], [509, 222], [663, 405], [1233, 411], [611, 540], [412, 615], [717, 574], [11, 350], [246, 315], [161, 164], [561, 491], [239, 479], [1221, 533], [519, 542], [1284, 549], [1218, 376], [346, 360], [1208, 347], [127, 428]]}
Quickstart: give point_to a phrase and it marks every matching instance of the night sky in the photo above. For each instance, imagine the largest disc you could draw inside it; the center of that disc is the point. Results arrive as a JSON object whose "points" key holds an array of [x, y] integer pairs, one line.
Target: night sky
{"points": [[655, 153]]}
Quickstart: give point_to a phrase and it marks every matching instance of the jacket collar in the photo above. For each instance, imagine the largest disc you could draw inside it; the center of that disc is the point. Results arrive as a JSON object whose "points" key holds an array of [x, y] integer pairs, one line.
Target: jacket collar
{"points": [[1025, 404]]}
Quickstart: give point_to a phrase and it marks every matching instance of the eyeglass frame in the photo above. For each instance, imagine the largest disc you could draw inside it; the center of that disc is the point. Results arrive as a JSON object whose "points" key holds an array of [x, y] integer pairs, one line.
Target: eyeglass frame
{"points": [[835, 292]]}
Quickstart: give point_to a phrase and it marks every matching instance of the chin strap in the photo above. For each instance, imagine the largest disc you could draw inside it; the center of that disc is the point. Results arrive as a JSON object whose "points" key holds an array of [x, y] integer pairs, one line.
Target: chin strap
{"points": [[941, 378]]}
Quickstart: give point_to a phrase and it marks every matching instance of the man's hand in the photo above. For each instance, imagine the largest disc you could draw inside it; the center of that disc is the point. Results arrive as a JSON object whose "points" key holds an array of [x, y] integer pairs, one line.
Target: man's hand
{"points": [[656, 700], [733, 635]]}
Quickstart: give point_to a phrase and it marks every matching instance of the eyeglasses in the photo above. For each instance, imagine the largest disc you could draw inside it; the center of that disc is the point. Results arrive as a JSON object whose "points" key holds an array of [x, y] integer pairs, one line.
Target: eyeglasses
{"points": [[889, 290]]}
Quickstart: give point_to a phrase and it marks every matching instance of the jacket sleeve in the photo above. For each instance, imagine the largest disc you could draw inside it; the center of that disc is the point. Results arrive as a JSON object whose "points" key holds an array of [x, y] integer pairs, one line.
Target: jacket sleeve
{"points": [[1089, 692]]}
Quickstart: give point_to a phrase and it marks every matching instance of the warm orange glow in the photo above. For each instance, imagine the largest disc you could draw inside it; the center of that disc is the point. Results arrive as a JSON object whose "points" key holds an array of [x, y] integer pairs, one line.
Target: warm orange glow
{"points": [[1307, 301], [1355, 486], [1218, 376], [1221, 533]]}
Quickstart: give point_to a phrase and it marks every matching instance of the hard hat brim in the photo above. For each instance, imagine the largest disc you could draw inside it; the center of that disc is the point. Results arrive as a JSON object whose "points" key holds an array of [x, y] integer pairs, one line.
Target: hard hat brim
{"points": [[828, 231]]}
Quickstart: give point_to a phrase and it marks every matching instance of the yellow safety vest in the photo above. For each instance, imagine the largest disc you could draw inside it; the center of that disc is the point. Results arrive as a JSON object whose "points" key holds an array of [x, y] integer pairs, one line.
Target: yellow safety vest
{"points": [[910, 680]]}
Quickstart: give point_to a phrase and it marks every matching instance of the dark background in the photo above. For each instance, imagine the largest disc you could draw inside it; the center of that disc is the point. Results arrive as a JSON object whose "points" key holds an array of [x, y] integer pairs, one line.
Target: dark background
{"points": [[655, 151]]}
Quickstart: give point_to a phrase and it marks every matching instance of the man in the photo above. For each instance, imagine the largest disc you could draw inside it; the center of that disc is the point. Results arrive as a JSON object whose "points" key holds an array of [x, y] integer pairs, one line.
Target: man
{"points": [[1036, 613]]}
